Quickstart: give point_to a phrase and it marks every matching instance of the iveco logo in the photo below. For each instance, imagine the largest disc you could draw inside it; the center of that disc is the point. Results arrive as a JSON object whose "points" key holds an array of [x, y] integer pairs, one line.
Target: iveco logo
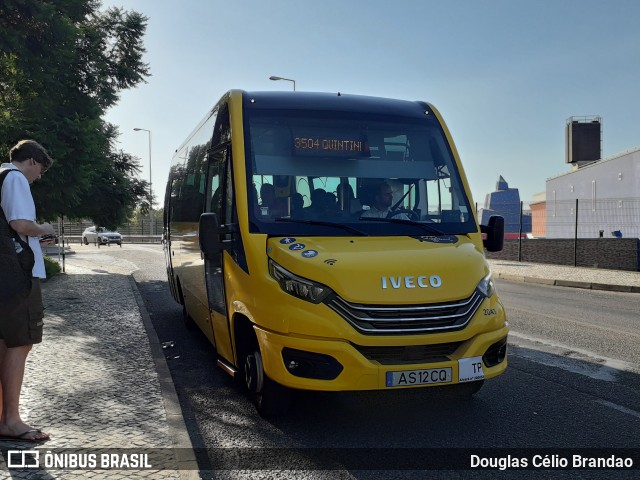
{"points": [[422, 281]]}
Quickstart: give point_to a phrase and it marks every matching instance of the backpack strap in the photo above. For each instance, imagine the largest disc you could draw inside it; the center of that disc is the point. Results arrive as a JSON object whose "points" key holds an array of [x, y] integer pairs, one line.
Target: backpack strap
{"points": [[3, 175], [5, 228]]}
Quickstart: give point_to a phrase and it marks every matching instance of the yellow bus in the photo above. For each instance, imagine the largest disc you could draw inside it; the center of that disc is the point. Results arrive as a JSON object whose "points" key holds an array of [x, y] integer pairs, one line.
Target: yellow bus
{"points": [[329, 242]]}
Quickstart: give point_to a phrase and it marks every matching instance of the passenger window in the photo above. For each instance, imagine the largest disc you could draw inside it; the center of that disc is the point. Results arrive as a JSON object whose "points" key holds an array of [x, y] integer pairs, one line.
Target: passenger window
{"points": [[217, 164], [222, 130], [214, 192]]}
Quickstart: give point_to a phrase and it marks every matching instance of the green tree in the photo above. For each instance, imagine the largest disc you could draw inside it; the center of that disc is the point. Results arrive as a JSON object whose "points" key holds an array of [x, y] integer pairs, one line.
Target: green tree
{"points": [[63, 63]]}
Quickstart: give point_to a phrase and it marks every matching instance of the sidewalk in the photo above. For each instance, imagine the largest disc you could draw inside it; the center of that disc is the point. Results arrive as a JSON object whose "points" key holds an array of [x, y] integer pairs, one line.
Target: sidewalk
{"points": [[566, 276], [99, 380]]}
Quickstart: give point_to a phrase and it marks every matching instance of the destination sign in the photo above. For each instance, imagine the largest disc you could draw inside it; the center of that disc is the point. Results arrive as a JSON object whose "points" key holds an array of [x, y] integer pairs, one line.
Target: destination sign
{"points": [[330, 145]]}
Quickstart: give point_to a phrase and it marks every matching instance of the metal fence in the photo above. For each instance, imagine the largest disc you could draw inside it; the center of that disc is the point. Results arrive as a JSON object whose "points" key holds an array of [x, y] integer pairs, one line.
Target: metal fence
{"points": [[578, 218], [143, 231]]}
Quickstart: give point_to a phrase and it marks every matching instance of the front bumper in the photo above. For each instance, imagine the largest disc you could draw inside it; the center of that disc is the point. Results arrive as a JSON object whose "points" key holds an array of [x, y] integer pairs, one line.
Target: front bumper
{"points": [[361, 373], [104, 240]]}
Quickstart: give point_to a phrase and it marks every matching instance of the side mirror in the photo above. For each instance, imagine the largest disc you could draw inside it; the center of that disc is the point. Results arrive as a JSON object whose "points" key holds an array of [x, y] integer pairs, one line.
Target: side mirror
{"points": [[210, 232], [495, 234]]}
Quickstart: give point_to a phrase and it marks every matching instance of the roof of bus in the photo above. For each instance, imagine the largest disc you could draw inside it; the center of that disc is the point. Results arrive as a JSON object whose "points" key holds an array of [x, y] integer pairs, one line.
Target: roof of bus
{"points": [[333, 101], [322, 101]]}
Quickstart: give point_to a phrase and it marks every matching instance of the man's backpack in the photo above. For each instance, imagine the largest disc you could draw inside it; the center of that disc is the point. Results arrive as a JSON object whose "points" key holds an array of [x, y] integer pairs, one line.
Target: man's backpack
{"points": [[16, 260]]}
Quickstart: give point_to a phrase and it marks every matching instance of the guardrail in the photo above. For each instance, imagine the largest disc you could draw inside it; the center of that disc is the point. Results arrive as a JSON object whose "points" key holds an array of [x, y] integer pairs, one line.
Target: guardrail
{"points": [[77, 239]]}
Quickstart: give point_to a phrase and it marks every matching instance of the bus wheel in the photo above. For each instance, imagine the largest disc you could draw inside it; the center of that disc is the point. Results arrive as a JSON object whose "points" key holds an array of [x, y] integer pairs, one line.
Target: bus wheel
{"points": [[270, 398]]}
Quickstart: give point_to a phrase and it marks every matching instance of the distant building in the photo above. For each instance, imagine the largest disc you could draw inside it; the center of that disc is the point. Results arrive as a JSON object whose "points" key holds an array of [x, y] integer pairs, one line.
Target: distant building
{"points": [[538, 208], [505, 202], [608, 192]]}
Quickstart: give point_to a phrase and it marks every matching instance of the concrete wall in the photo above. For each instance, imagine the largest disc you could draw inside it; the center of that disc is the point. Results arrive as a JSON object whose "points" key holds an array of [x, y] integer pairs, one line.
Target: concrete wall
{"points": [[611, 253]]}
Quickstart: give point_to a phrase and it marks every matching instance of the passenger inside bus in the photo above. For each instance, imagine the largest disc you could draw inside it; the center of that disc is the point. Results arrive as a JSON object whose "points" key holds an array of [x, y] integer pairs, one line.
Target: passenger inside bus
{"points": [[269, 203], [320, 205], [346, 199], [297, 204]]}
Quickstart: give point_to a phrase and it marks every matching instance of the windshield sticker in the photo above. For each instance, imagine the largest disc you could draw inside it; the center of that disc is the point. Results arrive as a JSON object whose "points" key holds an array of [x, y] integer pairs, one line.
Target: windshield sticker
{"points": [[297, 246], [309, 253], [288, 240], [438, 239]]}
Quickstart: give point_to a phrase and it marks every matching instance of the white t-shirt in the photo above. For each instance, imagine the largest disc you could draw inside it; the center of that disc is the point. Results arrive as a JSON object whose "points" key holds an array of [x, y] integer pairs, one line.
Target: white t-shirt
{"points": [[17, 204]]}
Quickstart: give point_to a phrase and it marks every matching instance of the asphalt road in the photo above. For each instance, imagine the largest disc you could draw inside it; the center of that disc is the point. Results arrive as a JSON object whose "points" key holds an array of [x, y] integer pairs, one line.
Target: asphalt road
{"points": [[601, 326], [573, 382]]}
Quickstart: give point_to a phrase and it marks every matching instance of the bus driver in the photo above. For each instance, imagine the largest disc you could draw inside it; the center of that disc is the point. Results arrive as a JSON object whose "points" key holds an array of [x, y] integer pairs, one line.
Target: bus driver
{"points": [[382, 204]]}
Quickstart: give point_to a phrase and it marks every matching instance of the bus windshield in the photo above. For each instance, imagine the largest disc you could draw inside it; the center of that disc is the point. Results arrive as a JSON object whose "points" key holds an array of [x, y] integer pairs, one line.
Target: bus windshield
{"points": [[336, 173]]}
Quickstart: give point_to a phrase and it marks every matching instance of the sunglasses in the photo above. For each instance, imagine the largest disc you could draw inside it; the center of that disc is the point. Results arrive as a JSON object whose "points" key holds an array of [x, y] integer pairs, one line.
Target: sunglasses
{"points": [[34, 163]]}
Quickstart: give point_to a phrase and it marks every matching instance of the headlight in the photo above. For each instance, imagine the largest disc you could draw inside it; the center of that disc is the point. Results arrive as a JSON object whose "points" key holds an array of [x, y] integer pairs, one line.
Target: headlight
{"points": [[486, 286], [297, 286]]}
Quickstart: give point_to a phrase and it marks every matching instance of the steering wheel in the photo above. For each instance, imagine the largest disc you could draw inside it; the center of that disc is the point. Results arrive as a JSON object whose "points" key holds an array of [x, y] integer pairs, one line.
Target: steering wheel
{"points": [[413, 215]]}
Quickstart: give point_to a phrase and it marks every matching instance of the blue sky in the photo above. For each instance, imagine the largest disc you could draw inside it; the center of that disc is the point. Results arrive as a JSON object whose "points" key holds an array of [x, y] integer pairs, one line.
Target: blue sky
{"points": [[505, 74]]}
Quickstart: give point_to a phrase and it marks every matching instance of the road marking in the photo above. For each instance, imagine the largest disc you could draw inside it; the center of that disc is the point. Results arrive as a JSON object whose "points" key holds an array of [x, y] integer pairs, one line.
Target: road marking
{"points": [[620, 408], [576, 360]]}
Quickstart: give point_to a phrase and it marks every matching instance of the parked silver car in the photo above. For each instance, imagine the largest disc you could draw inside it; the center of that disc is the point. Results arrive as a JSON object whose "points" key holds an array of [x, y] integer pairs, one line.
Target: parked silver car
{"points": [[101, 236]]}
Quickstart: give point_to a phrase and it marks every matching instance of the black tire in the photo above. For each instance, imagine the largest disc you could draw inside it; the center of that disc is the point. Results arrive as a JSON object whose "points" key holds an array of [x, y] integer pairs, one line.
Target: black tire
{"points": [[270, 398], [85, 241]]}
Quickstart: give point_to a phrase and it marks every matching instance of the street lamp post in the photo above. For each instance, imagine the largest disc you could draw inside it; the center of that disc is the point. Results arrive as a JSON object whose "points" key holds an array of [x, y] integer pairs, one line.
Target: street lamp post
{"points": [[273, 77], [150, 181]]}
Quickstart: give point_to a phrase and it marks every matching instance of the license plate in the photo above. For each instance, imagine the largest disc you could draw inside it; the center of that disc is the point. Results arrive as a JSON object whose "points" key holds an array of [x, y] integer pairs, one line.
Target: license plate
{"points": [[470, 369], [407, 378]]}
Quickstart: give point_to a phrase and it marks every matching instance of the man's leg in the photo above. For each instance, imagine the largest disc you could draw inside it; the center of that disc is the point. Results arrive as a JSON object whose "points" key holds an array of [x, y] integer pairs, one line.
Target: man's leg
{"points": [[3, 351], [22, 327], [11, 376]]}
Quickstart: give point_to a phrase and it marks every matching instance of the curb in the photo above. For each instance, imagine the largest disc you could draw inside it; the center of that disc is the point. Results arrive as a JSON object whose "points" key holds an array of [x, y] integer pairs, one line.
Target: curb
{"points": [[183, 448], [540, 281], [570, 283]]}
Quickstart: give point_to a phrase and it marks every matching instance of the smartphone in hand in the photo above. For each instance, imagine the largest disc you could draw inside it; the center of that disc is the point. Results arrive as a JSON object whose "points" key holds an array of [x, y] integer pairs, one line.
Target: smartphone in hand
{"points": [[49, 238]]}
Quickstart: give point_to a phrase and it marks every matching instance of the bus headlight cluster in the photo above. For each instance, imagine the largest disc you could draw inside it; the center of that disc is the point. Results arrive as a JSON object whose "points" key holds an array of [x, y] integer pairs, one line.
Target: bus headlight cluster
{"points": [[486, 286], [297, 286]]}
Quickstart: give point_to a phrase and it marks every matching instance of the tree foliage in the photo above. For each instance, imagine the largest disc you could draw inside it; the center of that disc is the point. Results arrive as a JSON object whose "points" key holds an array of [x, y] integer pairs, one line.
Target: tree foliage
{"points": [[63, 63]]}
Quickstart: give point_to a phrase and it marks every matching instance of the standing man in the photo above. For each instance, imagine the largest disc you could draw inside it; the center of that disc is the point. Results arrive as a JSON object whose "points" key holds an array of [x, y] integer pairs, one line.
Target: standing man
{"points": [[21, 323]]}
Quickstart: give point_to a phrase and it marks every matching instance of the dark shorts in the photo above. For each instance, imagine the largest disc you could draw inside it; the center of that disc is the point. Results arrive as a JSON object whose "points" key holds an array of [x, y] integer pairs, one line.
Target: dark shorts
{"points": [[21, 323]]}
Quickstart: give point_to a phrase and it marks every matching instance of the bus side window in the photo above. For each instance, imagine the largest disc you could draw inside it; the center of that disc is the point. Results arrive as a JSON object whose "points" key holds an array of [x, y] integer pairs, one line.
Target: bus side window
{"points": [[214, 192], [217, 159]]}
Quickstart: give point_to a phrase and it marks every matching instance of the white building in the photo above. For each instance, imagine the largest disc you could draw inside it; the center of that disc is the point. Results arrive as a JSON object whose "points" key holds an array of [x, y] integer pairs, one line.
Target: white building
{"points": [[608, 194]]}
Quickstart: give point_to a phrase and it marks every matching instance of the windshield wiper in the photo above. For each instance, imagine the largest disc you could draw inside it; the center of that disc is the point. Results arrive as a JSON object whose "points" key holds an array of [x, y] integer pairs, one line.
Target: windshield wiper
{"points": [[426, 227], [325, 224]]}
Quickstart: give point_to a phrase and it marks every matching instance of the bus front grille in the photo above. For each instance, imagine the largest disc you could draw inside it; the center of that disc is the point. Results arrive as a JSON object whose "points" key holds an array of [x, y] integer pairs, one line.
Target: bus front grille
{"points": [[407, 319]]}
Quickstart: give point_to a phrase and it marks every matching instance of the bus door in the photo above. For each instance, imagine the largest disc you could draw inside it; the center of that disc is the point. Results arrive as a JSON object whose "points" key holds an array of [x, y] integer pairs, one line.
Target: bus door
{"points": [[219, 200], [214, 204], [166, 240]]}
